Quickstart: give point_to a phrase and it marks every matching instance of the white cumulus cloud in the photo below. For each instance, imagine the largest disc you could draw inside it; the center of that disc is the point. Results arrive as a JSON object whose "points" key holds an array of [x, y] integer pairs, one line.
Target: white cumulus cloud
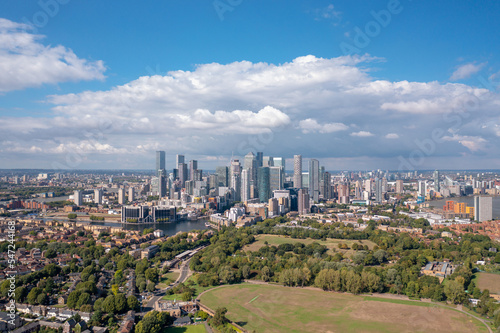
{"points": [[465, 71], [26, 62]]}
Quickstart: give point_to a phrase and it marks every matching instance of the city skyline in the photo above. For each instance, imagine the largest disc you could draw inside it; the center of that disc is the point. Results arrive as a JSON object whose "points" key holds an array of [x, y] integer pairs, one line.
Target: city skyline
{"points": [[344, 85]]}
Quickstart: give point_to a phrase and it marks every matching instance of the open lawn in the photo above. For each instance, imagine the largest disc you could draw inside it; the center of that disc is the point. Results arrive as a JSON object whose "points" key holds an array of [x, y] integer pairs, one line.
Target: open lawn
{"points": [[168, 278], [488, 281], [200, 328], [198, 289], [330, 243], [267, 308]]}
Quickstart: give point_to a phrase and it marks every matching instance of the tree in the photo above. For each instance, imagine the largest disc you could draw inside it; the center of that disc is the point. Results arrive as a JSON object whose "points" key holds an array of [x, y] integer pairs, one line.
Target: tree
{"points": [[152, 275], [454, 291], [187, 295], [108, 306], [120, 303], [219, 318], [266, 273], [153, 322], [20, 294], [245, 272], [33, 295], [82, 300], [72, 216], [42, 299], [73, 298], [150, 287], [133, 303]]}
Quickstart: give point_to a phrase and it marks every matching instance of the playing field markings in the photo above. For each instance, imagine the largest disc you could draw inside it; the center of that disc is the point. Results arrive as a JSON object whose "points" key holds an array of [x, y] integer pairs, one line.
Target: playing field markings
{"points": [[253, 299]]}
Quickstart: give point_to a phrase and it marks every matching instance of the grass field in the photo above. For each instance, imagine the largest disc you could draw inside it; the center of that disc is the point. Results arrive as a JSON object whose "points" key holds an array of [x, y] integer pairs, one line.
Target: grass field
{"points": [[281, 309], [200, 328], [488, 281], [164, 280], [330, 243], [198, 289]]}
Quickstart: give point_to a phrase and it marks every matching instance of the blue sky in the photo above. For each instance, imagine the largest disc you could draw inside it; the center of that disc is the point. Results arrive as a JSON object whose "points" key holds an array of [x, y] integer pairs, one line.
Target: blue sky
{"points": [[101, 84]]}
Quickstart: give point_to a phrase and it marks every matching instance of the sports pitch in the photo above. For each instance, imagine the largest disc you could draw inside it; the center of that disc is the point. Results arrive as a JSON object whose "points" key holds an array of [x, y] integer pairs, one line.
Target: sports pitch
{"points": [[267, 308]]}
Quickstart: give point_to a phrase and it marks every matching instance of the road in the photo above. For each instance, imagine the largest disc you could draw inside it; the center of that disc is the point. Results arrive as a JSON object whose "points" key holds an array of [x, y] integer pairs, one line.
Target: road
{"points": [[183, 276]]}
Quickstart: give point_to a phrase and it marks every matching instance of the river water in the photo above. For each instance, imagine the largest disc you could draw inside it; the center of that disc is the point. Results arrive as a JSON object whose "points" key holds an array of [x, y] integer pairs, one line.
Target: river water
{"points": [[169, 229]]}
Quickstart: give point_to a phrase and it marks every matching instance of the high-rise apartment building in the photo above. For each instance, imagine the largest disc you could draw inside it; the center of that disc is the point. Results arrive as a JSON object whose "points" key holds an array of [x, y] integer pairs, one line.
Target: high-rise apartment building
{"points": [[297, 171], [121, 196], [314, 179], [78, 198], [483, 208], [378, 190], [245, 185], [303, 201], [400, 186], [436, 181], [98, 196], [131, 194]]}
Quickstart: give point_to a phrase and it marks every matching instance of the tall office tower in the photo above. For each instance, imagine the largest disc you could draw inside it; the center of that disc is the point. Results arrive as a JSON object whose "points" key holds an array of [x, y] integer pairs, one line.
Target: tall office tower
{"points": [[193, 166], [78, 200], [162, 183], [321, 172], [235, 179], [212, 181], [436, 181], [198, 175], [260, 158], [378, 190], [422, 188], [236, 186], [314, 179], [179, 159], [98, 196], [264, 184], [160, 160], [400, 186], [358, 190], [267, 161], [279, 162], [245, 185], [251, 165], [121, 196], [222, 175], [483, 208], [303, 201], [161, 173], [131, 194], [234, 169], [297, 171], [183, 173], [326, 186], [276, 178]]}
